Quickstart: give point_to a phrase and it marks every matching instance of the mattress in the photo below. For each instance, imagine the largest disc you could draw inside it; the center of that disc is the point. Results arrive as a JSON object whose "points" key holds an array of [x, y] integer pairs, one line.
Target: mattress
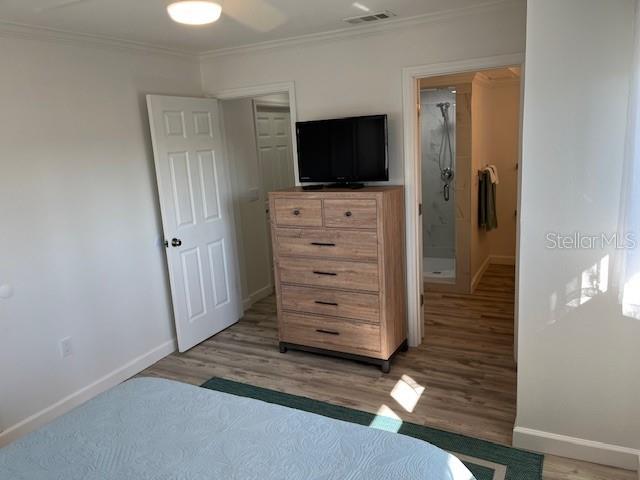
{"points": [[158, 429]]}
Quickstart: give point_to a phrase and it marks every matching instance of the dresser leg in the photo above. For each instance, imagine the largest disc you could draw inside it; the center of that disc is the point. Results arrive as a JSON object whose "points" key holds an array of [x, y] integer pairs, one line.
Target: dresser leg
{"points": [[404, 347], [283, 348], [385, 366]]}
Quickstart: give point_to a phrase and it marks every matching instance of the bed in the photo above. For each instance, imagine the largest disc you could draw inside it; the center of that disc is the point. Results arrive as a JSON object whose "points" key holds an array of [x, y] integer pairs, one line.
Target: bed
{"points": [[159, 429]]}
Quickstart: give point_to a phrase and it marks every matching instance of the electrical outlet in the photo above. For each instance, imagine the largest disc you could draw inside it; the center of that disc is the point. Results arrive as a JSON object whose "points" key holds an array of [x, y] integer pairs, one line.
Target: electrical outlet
{"points": [[66, 349]]}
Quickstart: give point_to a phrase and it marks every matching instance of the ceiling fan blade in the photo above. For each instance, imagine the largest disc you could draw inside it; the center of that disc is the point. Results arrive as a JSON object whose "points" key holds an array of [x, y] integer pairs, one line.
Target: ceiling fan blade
{"points": [[61, 4], [258, 15]]}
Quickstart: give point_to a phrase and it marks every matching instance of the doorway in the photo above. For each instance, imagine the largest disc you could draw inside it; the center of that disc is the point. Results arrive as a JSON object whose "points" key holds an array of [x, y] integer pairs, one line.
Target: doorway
{"points": [[469, 151], [471, 314], [260, 152], [272, 117], [411, 77]]}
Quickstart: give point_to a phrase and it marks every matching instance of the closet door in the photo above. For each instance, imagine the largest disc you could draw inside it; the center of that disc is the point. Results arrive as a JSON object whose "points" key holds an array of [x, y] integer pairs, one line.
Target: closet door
{"points": [[197, 216], [275, 156]]}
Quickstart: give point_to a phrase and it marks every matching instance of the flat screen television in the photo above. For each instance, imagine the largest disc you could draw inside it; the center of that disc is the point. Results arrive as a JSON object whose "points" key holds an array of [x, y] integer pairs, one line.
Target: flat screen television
{"points": [[343, 150]]}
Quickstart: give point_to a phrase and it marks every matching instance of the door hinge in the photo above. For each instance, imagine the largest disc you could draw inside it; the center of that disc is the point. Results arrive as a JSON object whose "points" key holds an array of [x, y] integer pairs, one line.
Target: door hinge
{"points": [[422, 299], [419, 209]]}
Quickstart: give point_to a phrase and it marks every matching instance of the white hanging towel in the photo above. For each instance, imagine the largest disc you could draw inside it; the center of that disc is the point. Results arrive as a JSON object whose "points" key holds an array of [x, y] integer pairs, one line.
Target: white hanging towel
{"points": [[493, 173]]}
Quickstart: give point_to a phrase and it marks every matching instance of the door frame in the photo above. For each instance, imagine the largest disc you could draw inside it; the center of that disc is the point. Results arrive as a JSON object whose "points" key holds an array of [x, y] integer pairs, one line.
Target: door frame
{"points": [[413, 180], [266, 89]]}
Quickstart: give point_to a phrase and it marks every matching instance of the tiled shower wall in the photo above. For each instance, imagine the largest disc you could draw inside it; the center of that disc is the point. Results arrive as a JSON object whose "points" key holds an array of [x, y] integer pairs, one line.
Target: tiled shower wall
{"points": [[438, 223]]}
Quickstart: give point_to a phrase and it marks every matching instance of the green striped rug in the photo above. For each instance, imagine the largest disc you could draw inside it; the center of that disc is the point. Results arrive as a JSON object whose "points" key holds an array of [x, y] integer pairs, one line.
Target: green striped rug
{"points": [[486, 460]]}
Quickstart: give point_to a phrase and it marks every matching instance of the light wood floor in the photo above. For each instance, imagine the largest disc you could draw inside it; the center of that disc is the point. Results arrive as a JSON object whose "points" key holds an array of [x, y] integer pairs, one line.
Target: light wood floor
{"points": [[465, 366]]}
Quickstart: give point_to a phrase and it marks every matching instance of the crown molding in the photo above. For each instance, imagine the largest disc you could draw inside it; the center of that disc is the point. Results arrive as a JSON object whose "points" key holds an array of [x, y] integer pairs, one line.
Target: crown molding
{"points": [[481, 79], [365, 30], [32, 32]]}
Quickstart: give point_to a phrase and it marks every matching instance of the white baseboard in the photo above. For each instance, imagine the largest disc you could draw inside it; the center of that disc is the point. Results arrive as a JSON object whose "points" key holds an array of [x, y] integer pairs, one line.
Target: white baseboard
{"points": [[578, 448], [68, 403], [502, 259], [478, 275], [256, 296]]}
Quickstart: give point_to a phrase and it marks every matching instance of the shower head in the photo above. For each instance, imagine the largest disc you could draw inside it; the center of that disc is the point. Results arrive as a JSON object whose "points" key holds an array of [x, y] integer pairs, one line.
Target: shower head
{"points": [[444, 107]]}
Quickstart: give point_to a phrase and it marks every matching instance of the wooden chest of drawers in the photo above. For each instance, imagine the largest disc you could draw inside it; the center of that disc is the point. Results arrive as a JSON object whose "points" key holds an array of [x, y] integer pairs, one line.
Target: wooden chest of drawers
{"points": [[339, 268]]}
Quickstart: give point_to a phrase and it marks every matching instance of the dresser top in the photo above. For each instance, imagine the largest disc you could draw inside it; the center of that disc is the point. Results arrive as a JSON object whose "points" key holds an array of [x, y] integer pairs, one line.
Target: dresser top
{"points": [[372, 189]]}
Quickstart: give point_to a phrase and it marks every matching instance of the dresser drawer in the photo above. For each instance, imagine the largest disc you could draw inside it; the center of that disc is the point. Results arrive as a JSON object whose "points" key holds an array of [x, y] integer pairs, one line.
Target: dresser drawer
{"points": [[298, 212], [329, 273], [336, 303], [357, 245], [351, 213], [329, 333]]}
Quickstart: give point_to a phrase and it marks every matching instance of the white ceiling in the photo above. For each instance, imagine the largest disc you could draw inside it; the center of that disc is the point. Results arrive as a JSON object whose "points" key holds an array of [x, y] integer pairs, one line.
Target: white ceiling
{"points": [[243, 21]]}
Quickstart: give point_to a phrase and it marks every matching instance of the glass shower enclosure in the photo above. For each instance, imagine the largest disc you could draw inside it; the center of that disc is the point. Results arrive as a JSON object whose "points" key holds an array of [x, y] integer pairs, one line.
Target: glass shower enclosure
{"points": [[438, 146]]}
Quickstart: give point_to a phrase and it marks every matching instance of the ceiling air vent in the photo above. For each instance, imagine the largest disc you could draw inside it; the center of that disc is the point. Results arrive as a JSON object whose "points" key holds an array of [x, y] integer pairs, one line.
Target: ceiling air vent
{"points": [[370, 17]]}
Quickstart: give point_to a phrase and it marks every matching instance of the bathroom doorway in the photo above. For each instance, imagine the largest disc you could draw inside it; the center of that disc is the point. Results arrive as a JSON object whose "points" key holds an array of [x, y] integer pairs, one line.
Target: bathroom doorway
{"points": [[469, 150]]}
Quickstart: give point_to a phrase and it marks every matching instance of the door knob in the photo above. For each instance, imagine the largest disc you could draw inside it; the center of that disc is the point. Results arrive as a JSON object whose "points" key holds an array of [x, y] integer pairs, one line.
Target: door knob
{"points": [[176, 242]]}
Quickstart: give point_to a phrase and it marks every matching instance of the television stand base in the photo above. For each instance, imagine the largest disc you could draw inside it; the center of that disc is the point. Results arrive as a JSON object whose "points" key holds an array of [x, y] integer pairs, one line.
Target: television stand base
{"points": [[349, 185]]}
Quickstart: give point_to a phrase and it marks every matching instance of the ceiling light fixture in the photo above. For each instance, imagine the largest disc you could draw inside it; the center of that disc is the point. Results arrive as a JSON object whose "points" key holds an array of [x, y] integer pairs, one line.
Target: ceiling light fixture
{"points": [[194, 12]]}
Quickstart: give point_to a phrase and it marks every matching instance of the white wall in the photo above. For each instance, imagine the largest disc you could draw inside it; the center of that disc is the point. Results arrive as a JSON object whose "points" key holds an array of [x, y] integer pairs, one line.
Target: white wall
{"points": [[579, 358], [362, 75], [81, 226]]}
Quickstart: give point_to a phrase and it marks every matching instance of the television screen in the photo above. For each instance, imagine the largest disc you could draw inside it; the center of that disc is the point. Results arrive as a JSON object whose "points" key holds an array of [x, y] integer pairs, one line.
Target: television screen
{"points": [[343, 150]]}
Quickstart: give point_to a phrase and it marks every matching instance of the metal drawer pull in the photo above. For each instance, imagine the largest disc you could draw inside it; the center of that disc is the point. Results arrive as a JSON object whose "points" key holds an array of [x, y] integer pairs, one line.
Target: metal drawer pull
{"points": [[296, 212], [321, 244], [325, 273], [348, 213], [320, 302], [328, 332]]}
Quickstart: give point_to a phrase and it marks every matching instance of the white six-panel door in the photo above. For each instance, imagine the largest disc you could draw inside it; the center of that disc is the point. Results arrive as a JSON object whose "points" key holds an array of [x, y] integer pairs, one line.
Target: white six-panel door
{"points": [[197, 219], [273, 130], [275, 156]]}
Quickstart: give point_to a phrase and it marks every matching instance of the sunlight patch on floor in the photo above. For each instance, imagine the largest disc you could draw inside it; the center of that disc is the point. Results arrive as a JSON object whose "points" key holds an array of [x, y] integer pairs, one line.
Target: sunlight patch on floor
{"points": [[386, 419], [407, 392]]}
